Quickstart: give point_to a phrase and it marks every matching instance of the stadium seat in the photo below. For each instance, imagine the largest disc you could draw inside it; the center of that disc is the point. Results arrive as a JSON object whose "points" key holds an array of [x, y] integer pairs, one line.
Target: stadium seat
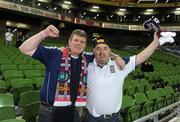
{"points": [[129, 109], [170, 97], [24, 67], [2, 87], [13, 120], [33, 74], [40, 67], [161, 94], [5, 61], [158, 101], [12, 74], [31, 111], [19, 86], [30, 102], [144, 84], [33, 62], [128, 88], [38, 83], [127, 102], [146, 105], [18, 61], [5, 67], [7, 109]]}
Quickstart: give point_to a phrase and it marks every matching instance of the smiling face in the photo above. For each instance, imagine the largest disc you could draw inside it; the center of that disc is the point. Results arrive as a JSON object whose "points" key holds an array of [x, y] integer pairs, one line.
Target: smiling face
{"points": [[77, 42], [102, 53]]}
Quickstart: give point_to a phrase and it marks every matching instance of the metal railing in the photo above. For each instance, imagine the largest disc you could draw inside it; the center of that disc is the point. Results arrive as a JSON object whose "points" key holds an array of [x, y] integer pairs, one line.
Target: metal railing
{"points": [[154, 115]]}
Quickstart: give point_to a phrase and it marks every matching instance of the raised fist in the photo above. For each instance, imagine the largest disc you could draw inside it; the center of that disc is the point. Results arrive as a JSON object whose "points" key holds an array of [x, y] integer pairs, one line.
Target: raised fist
{"points": [[50, 31], [152, 24]]}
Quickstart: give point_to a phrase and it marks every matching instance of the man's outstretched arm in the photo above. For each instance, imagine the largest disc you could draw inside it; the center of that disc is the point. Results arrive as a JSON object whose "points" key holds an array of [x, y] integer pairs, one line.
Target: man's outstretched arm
{"points": [[148, 51], [31, 44]]}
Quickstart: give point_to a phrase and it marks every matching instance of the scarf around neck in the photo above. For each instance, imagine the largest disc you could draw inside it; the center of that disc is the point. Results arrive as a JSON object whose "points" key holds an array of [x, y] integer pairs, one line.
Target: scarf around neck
{"points": [[62, 96]]}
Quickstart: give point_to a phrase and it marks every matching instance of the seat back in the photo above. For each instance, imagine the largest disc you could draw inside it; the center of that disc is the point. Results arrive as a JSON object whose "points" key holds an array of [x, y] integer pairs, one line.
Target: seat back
{"points": [[7, 109], [29, 97], [127, 102], [13, 120], [30, 102], [2, 87], [19, 86]]}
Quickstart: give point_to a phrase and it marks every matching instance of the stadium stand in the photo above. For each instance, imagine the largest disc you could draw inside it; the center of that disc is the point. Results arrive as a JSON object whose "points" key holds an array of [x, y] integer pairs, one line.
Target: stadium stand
{"points": [[147, 96]]}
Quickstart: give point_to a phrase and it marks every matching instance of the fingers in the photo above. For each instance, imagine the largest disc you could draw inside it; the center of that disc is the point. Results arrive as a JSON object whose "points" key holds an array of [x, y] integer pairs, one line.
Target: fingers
{"points": [[120, 63], [54, 30]]}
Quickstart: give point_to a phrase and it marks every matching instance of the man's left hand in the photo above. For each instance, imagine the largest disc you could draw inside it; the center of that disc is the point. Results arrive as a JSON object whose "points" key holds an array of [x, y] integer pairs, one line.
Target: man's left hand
{"points": [[120, 62]]}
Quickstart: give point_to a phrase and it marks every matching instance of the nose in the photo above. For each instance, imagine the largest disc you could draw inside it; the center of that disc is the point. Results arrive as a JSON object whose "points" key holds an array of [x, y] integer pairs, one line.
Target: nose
{"points": [[78, 42], [101, 52]]}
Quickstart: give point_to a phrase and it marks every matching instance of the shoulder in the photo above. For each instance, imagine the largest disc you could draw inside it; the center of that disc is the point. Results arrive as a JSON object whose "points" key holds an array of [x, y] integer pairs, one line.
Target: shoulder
{"points": [[129, 59]]}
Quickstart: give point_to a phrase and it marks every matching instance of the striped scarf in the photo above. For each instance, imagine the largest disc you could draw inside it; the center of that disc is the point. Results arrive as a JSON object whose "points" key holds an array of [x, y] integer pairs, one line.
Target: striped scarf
{"points": [[62, 96]]}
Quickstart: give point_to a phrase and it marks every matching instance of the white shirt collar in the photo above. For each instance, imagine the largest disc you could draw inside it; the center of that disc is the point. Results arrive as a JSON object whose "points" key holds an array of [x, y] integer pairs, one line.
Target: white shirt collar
{"points": [[95, 63], [75, 57]]}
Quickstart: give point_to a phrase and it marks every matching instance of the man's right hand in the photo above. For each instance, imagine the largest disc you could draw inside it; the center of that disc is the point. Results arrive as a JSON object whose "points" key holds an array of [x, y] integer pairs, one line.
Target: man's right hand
{"points": [[50, 31]]}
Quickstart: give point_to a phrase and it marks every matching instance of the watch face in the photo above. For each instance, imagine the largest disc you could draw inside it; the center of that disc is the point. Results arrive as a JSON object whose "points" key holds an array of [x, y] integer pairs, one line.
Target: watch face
{"points": [[63, 77]]}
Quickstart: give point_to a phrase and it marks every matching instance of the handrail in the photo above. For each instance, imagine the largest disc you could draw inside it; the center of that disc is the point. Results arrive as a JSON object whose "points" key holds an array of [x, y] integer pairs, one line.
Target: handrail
{"points": [[156, 113]]}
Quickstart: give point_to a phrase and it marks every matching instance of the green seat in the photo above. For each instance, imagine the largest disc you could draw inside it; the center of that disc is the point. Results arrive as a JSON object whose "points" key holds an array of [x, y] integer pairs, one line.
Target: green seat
{"points": [[133, 113], [33, 74], [146, 105], [128, 88], [19, 61], [139, 88], [24, 67], [130, 110], [131, 90], [33, 62], [40, 67], [158, 101], [170, 97], [30, 102], [7, 109], [38, 82], [31, 111], [2, 87], [5, 61], [19, 86], [10, 75], [126, 84], [144, 84], [5, 67], [13, 120], [127, 102], [170, 91], [161, 94]]}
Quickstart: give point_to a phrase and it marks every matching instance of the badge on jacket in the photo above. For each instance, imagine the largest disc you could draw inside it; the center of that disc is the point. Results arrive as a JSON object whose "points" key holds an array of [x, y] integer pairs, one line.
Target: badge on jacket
{"points": [[112, 69]]}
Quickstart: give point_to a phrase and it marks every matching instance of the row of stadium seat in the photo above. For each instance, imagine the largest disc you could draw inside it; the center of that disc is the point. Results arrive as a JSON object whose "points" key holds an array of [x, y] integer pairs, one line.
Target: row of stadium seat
{"points": [[29, 102]]}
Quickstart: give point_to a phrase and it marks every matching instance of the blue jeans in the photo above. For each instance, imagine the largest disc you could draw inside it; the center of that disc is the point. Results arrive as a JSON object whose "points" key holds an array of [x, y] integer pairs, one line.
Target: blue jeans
{"points": [[58, 114], [114, 118]]}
